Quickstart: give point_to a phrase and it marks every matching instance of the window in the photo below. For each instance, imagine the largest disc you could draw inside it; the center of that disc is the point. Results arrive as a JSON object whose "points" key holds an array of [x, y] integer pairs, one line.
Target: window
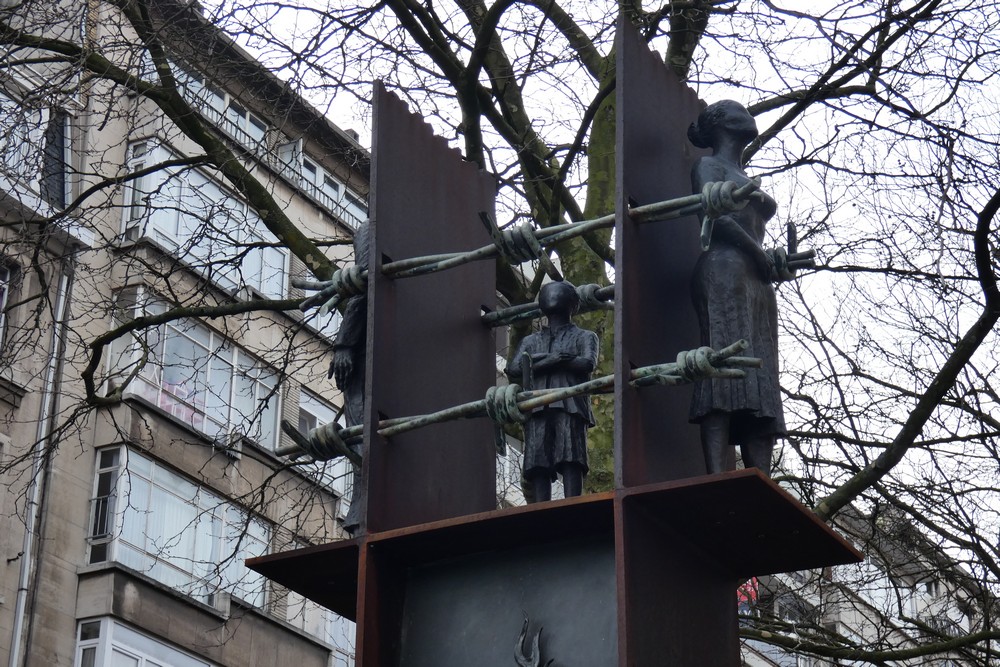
{"points": [[201, 94], [34, 144], [340, 633], [356, 204], [321, 185], [310, 172], [217, 106], [244, 126], [327, 325], [216, 233], [313, 411], [331, 188], [199, 377], [22, 140], [5, 283], [355, 211], [155, 521], [337, 475], [55, 161], [323, 624], [107, 643]]}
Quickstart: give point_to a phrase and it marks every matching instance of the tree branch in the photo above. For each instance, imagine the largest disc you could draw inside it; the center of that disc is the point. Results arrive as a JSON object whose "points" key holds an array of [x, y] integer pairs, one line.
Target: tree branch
{"points": [[943, 382]]}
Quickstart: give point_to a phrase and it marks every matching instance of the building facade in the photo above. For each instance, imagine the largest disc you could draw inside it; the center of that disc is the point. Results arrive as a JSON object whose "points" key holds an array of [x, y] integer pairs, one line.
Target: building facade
{"points": [[139, 471], [906, 594]]}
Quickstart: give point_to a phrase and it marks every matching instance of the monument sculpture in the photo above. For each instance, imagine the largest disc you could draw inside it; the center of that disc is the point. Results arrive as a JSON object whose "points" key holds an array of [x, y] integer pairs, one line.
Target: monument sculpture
{"points": [[732, 293], [560, 355], [615, 578], [348, 371]]}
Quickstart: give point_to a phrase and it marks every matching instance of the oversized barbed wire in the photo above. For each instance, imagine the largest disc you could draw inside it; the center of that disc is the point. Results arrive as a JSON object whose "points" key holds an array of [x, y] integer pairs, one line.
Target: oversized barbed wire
{"points": [[592, 297], [508, 403], [525, 243]]}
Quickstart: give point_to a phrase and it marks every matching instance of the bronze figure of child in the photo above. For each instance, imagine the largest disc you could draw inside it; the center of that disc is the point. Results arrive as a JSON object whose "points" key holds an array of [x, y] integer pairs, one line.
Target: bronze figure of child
{"points": [[560, 355]]}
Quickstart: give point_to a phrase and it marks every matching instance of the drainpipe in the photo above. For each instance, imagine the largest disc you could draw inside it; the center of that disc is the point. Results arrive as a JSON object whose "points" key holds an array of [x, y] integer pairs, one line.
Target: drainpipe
{"points": [[40, 457]]}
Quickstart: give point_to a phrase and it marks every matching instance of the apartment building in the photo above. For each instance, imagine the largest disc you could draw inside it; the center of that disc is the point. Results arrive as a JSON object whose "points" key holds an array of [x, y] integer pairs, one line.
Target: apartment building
{"points": [[906, 594], [137, 441]]}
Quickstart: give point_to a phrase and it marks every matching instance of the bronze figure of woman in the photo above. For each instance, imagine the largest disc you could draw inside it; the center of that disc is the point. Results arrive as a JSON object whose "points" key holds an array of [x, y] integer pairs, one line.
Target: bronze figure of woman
{"points": [[733, 294]]}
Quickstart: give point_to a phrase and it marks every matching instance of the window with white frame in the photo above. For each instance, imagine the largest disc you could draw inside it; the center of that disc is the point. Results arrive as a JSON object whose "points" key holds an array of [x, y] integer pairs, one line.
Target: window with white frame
{"points": [[22, 140], [248, 129], [105, 642], [330, 187], [355, 205], [187, 210], [336, 475], [245, 127], [208, 98], [328, 627], [197, 375], [320, 184], [328, 324], [155, 521], [340, 634]]}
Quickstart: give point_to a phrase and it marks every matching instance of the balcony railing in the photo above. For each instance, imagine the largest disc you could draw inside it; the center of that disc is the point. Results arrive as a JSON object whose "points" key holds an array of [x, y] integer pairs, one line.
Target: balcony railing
{"points": [[329, 203], [260, 150]]}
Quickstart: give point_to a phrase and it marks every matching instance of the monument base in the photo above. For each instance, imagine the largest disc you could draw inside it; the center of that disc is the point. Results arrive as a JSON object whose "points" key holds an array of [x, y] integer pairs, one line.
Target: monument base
{"points": [[645, 576]]}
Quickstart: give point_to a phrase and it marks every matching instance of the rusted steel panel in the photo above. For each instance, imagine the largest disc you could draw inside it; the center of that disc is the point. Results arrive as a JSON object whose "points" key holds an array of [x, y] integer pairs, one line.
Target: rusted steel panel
{"points": [[428, 349], [654, 316]]}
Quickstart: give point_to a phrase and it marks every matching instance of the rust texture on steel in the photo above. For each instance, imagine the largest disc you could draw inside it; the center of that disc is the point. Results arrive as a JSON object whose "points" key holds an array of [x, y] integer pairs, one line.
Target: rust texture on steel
{"points": [[681, 547], [675, 600], [327, 574], [654, 315], [428, 348], [676, 604]]}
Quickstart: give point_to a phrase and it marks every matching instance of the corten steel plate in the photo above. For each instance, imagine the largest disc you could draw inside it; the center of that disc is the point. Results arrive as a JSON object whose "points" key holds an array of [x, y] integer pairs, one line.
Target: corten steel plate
{"points": [[326, 574], [654, 315], [747, 523], [696, 540], [741, 522], [470, 611], [531, 525], [676, 601], [428, 349]]}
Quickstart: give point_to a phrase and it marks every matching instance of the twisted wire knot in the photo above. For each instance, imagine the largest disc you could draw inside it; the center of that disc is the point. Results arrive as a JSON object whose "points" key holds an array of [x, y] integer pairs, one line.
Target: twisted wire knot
{"points": [[717, 198], [520, 244], [588, 297], [780, 256], [345, 283], [325, 442], [695, 364], [350, 281], [501, 404]]}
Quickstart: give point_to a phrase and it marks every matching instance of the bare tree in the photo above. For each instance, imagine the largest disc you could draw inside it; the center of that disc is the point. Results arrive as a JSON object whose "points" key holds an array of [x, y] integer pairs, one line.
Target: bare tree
{"points": [[878, 139]]}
